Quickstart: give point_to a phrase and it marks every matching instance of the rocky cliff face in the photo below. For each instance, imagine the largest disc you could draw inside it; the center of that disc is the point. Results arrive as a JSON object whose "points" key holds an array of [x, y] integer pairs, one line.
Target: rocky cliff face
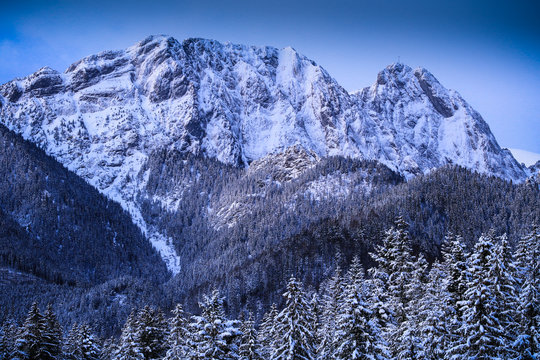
{"points": [[420, 125], [106, 113]]}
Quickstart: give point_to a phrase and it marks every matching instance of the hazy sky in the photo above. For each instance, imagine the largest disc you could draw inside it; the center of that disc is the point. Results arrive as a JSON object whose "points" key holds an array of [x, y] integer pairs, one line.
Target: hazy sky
{"points": [[489, 51]]}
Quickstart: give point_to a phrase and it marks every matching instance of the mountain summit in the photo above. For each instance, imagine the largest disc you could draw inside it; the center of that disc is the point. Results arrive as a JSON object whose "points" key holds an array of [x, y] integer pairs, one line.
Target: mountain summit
{"points": [[107, 113]]}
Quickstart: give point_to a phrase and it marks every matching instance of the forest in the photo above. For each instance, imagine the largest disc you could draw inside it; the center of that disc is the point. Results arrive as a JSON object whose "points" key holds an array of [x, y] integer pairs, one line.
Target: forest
{"points": [[475, 302]]}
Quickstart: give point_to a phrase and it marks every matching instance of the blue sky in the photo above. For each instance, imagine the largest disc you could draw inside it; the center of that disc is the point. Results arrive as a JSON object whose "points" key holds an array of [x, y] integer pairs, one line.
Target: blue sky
{"points": [[489, 51]]}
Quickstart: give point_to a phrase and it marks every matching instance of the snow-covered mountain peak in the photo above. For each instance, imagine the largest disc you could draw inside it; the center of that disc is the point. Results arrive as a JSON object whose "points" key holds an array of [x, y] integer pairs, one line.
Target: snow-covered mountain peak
{"points": [[238, 104]]}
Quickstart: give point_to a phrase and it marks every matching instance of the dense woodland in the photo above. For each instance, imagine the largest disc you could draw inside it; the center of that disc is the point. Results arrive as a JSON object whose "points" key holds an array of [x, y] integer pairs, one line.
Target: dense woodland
{"points": [[279, 230], [59, 228], [63, 243], [477, 303]]}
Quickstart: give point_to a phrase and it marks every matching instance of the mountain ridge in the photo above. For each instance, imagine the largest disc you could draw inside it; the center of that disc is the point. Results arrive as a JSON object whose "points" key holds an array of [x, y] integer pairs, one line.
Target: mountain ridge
{"points": [[105, 115]]}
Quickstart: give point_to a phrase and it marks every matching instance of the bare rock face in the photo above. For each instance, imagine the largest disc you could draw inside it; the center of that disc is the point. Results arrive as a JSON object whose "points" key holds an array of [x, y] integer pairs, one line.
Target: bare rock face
{"points": [[238, 104], [285, 166]]}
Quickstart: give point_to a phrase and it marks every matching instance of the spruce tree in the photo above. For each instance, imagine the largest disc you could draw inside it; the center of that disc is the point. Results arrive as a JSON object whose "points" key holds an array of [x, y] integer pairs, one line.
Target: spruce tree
{"points": [[71, 347], [358, 335], [215, 337], [8, 335], [503, 272], [456, 264], [151, 332], [109, 349], [406, 342], [435, 315], [250, 347], [179, 335], [51, 334], [395, 265], [28, 345], [89, 343], [295, 329], [82, 344], [392, 278], [527, 343], [129, 347], [332, 299], [268, 331], [482, 330]]}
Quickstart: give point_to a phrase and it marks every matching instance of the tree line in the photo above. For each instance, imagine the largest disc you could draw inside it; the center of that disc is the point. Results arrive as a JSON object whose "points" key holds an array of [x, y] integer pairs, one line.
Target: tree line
{"points": [[482, 303]]}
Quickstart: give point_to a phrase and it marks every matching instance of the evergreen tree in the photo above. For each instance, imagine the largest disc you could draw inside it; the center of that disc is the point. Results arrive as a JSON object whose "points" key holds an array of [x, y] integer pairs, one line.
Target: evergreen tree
{"points": [[70, 349], [81, 344], [295, 326], [51, 333], [435, 316], [89, 344], [527, 344], [250, 347], [109, 349], [179, 335], [8, 334], [503, 273], [215, 337], [151, 333], [358, 335], [395, 265], [406, 341], [129, 347], [268, 331], [456, 264], [482, 330], [28, 345], [393, 280], [332, 299]]}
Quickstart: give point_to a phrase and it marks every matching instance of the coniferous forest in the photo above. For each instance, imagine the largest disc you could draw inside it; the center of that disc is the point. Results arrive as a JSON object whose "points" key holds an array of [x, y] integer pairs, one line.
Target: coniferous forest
{"points": [[479, 302]]}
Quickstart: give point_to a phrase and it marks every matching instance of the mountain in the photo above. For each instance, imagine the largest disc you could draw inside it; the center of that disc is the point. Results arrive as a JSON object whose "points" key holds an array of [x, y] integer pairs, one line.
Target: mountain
{"points": [[59, 228], [107, 114]]}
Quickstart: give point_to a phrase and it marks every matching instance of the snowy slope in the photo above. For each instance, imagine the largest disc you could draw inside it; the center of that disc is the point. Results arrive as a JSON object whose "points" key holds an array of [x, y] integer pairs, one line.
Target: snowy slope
{"points": [[106, 113]]}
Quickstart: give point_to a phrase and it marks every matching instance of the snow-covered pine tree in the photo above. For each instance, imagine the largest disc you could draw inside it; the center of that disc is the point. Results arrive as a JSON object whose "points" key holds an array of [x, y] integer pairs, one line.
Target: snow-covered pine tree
{"points": [[482, 334], [250, 347], [332, 299], [89, 343], [8, 334], [456, 264], [268, 331], [379, 302], [406, 342], [505, 284], [435, 315], [392, 278], [527, 246], [527, 344], [109, 349], [151, 330], [129, 347], [29, 341], [70, 349], [51, 334], [215, 337], [295, 329], [395, 262], [358, 335], [81, 344], [179, 335]]}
